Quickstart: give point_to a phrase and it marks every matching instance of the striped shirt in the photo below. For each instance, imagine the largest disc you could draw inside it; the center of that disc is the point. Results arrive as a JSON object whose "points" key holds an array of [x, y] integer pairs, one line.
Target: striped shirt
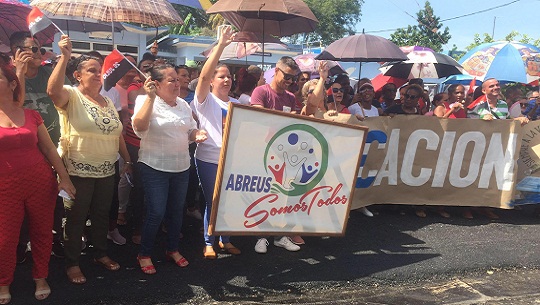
{"points": [[498, 112]]}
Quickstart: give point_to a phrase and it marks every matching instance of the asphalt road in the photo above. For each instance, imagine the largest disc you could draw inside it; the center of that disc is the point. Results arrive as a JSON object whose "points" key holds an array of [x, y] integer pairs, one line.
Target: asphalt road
{"points": [[389, 250]]}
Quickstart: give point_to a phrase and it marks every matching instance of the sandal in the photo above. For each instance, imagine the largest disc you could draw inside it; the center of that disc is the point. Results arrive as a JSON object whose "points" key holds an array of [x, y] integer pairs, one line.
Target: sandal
{"points": [[209, 252], [148, 269], [181, 262], [107, 263], [5, 297], [75, 275], [228, 247], [43, 292]]}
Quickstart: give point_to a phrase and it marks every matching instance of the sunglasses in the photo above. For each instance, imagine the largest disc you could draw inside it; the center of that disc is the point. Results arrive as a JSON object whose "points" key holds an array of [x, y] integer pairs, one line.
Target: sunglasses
{"points": [[336, 90], [33, 49], [287, 76], [310, 91], [412, 97]]}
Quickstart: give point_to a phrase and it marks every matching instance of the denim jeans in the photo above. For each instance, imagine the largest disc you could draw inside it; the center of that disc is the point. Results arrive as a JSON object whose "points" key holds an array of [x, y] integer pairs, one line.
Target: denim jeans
{"points": [[207, 175], [165, 195]]}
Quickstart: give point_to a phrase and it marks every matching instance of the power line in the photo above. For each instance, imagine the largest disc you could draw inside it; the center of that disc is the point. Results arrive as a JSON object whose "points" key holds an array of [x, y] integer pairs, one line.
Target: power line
{"points": [[482, 11]]}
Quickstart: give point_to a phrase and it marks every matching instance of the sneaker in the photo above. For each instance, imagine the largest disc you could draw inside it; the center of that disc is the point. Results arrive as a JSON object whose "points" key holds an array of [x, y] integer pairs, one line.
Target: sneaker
{"points": [[57, 250], [366, 212], [115, 236], [195, 214], [285, 242], [261, 246]]}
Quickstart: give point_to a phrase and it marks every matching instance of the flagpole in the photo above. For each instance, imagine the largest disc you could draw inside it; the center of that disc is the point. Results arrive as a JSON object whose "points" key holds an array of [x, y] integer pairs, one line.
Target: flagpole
{"points": [[134, 66], [60, 30]]}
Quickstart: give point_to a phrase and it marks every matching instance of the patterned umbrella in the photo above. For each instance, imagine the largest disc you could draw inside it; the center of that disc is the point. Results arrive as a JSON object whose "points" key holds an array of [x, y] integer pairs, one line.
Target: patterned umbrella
{"points": [[503, 60], [308, 63], [423, 64], [246, 43], [13, 15], [154, 13]]}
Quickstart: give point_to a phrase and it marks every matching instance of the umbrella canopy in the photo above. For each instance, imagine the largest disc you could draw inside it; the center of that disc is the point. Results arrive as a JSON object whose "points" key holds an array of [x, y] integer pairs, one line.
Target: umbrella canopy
{"points": [[463, 79], [85, 25], [153, 13], [200, 4], [503, 60], [423, 64], [363, 48], [409, 49], [13, 15], [380, 80], [308, 63], [276, 17]]}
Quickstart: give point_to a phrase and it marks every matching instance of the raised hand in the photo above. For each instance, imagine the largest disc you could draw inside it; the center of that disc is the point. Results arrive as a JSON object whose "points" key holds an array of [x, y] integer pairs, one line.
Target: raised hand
{"points": [[323, 69], [150, 88], [227, 35], [65, 45]]}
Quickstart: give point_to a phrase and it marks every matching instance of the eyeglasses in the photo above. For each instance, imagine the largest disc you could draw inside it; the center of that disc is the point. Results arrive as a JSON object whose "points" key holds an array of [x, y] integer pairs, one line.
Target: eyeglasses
{"points": [[336, 90], [304, 79], [412, 97], [287, 76]]}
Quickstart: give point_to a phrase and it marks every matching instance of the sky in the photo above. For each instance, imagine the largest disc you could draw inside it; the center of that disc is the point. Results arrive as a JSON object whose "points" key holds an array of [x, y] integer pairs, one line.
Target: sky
{"points": [[522, 16]]}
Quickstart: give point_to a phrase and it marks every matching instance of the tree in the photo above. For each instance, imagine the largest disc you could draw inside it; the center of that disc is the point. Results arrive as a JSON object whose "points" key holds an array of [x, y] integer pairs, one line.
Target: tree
{"points": [[426, 33], [512, 36], [337, 19]]}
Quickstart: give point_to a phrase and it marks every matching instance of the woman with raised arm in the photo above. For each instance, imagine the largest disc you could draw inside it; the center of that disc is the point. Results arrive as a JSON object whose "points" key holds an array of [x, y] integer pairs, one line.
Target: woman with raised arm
{"points": [[211, 104], [27, 185], [91, 137]]}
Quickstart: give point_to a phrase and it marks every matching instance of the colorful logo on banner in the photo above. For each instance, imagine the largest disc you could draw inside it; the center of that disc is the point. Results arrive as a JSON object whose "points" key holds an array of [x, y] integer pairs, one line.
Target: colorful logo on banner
{"points": [[297, 158]]}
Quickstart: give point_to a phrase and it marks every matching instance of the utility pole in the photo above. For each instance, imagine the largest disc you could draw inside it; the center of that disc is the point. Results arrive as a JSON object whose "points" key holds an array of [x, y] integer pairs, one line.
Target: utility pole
{"points": [[493, 32]]}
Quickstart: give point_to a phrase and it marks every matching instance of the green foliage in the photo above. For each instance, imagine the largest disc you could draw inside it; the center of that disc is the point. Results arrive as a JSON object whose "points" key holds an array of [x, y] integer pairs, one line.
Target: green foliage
{"points": [[512, 36], [426, 33], [337, 19]]}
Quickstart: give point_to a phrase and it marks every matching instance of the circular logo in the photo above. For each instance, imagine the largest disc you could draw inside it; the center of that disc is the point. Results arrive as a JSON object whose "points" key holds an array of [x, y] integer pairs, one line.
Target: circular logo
{"points": [[297, 158]]}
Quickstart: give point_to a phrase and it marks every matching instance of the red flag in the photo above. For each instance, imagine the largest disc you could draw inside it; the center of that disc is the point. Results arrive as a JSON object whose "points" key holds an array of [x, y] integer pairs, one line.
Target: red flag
{"points": [[37, 21], [479, 100], [115, 66], [471, 86]]}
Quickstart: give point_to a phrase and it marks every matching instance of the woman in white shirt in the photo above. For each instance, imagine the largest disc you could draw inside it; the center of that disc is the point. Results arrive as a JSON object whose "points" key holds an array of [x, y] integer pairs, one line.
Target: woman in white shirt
{"points": [[165, 125], [211, 109]]}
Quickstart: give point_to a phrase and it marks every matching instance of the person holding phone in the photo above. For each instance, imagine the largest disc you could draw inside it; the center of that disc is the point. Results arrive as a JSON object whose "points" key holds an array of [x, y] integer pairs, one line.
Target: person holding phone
{"points": [[165, 124], [28, 185]]}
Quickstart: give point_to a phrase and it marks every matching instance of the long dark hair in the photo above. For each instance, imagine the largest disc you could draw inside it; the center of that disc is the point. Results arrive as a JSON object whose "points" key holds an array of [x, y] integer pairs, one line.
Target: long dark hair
{"points": [[9, 73]]}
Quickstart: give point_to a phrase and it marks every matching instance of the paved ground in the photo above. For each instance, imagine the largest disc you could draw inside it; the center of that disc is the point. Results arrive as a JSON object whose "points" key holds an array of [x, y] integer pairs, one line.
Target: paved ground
{"points": [[387, 259]]}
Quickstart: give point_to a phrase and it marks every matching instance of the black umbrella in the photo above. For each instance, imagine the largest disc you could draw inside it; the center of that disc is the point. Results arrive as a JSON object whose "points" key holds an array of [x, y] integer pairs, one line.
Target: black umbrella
{"points": [[423, 64], [363, 48]]}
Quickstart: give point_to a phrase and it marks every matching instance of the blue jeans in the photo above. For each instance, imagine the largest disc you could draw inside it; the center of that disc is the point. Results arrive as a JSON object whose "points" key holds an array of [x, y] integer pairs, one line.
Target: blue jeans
{"points": [[165, 195], [207, 175]]}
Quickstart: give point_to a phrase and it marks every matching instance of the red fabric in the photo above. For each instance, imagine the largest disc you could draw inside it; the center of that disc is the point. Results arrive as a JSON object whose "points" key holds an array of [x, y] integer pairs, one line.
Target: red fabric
{"points": [[18, 146], [130, 136], [26, 190], [460, 114], [477, 101], [471, 86], [380, 80]]}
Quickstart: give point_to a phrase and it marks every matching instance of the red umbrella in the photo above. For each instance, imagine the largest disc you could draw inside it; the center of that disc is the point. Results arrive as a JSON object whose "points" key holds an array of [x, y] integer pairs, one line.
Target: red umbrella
{"points": [[380, 80]]}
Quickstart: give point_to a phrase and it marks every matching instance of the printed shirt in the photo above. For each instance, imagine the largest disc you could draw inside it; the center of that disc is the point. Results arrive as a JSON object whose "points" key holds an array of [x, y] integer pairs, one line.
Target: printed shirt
{"points": [[483, 108], [164, 145], [92, 133], [36, 98]]}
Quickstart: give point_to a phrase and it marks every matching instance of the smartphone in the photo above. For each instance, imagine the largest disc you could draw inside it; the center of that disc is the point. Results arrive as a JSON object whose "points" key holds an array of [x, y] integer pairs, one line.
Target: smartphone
{"points": [[63, 194], [129, 179]]}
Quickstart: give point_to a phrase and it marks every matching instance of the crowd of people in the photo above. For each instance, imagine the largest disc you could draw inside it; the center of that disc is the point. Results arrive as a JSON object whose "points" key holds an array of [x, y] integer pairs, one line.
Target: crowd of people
{"points": [[143, 152]]}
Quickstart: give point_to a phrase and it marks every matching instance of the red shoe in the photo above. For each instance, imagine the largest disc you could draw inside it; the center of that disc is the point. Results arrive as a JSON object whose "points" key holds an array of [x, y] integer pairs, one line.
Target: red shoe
{"points": [[149, 269], [182, 262]]}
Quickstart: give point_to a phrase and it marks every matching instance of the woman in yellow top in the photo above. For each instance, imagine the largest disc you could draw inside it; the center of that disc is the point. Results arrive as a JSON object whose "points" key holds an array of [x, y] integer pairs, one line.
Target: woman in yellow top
{"points": [[90, 141]]}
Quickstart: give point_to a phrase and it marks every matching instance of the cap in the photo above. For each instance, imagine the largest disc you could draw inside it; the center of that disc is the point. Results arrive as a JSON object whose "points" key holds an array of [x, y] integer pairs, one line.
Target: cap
{"points": [[365, 85]]}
